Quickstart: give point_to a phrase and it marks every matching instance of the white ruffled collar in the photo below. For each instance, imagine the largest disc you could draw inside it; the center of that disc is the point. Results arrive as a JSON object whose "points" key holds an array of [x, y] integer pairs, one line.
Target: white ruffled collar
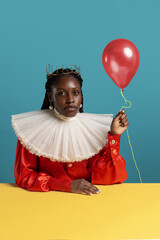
{"points": [[49, 134]]}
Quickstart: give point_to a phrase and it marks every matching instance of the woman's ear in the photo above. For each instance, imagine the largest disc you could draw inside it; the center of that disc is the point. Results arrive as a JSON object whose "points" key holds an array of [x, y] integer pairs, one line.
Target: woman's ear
{"points": [[49, 97]]}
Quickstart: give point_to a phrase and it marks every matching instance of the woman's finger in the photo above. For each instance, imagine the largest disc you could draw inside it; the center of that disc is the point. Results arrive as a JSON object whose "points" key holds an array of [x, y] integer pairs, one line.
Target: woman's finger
{"points": [[86, 192], [124, 120], [90, 185], [90, 189], [119, 114], [126, 123], [124, 115]]}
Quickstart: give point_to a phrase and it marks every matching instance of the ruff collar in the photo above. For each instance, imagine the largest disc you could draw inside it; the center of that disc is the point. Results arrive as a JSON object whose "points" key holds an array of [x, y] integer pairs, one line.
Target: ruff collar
{"points": [[49, 134]]}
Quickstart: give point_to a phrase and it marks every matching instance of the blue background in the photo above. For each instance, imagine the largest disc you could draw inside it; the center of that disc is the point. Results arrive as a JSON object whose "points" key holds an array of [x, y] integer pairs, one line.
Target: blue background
{"points": [[35, 33]]}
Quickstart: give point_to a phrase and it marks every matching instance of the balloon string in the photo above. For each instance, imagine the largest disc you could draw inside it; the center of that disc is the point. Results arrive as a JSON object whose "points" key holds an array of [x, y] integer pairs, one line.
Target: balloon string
{"points": [[129, 137], [125, 101]]}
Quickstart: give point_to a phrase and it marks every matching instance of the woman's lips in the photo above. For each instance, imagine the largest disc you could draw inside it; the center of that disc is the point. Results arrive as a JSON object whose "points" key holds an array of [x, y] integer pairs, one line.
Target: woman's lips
{"points": [[70, 109]]}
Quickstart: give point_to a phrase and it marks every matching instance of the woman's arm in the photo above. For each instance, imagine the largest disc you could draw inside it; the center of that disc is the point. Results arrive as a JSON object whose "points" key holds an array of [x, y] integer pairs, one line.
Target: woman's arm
{"points": [[108, 167], [27, 175]]}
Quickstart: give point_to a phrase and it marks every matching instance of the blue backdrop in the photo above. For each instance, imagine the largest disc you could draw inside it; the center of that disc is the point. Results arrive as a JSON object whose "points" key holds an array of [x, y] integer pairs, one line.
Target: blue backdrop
{"points": [[35, 33]]}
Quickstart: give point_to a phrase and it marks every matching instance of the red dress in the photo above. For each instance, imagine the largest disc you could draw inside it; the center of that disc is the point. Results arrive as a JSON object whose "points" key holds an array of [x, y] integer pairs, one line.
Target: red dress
{"points": [[41, 174]]}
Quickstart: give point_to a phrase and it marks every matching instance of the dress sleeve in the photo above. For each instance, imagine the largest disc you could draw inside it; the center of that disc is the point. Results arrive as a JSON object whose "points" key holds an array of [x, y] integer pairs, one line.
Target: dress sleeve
{"points": [[27, 175], [108, 167]]}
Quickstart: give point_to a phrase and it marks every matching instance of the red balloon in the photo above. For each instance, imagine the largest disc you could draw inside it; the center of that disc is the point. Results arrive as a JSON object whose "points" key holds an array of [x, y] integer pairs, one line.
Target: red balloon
{"points": [[121, 60]]}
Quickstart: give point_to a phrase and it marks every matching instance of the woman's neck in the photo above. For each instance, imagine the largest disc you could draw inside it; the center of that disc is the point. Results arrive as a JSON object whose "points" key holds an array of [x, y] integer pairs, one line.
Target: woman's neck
{"points": [[60, 116]]}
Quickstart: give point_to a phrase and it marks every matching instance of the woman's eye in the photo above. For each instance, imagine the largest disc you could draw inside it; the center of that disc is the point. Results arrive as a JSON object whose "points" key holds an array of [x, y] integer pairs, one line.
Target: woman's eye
{"points": [[64, 93], [61, 93], [76, 92]]}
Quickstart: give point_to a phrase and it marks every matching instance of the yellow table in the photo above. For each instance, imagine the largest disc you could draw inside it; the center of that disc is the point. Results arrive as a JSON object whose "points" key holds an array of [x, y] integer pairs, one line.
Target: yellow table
{"points": [[122, 211]]}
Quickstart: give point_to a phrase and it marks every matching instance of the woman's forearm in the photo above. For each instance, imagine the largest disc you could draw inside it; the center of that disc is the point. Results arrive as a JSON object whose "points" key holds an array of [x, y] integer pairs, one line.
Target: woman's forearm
{"points": [[27, 176], [108, 167]]}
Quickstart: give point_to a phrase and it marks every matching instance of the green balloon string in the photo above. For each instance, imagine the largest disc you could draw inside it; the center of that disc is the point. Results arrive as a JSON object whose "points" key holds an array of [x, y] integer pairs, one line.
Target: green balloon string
{"points": [[127, 101]]}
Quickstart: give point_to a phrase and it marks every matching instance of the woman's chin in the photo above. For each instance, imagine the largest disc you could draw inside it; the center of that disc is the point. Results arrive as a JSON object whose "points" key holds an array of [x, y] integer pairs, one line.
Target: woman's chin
{"points": [[70, 112]]}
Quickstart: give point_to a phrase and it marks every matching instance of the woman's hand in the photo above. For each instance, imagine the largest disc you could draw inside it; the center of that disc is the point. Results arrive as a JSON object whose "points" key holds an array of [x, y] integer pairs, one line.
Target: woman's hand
{"points": [[119, 123], [84, 187]]}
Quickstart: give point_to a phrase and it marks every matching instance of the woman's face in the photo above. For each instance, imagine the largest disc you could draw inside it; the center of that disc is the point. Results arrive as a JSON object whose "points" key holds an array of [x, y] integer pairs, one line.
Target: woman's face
{"points": [[66, 96]]}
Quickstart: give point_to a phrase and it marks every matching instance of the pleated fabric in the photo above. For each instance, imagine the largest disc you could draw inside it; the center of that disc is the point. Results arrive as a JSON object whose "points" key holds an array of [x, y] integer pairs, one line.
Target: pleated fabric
{"points": [[73, 139]]}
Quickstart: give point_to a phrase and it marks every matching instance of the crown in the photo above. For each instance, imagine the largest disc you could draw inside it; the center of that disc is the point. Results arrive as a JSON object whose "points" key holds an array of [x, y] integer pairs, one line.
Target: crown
{"points": [[73, 69]]}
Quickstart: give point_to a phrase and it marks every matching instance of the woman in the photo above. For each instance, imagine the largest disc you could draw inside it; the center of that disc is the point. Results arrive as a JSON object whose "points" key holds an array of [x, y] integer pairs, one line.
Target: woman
{"points": [[62, 148]]}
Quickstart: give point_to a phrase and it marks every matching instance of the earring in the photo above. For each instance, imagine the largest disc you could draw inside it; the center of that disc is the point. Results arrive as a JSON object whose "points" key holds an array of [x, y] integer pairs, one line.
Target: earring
{"points": [[50, 107], [81, 105]]}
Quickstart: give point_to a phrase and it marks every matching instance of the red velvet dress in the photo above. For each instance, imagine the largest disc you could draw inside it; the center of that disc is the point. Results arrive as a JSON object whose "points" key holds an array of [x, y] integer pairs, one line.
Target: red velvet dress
{"points": [[41, 174]]}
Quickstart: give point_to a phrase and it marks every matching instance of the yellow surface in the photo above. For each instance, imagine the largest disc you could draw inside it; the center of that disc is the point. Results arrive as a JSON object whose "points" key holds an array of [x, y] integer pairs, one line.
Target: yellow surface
{"points": [[122, 211]]}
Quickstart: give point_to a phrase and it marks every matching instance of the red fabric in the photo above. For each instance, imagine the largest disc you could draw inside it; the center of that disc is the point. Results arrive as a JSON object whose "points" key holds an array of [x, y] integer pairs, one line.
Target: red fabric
{"points": [[41, 174]]}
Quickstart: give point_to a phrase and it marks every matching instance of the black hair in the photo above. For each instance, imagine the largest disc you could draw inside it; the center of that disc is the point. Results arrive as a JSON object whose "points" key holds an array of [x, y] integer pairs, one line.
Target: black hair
{"points": [[53, 78]]}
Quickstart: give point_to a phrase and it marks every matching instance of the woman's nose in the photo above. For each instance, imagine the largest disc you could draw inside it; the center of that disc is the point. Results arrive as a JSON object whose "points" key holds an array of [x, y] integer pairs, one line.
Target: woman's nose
{"points": [[70, 98]]}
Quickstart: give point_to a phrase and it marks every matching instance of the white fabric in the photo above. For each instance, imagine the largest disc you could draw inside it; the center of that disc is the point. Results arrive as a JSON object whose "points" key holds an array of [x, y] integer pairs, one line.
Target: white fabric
{"points": [[74, 139]]}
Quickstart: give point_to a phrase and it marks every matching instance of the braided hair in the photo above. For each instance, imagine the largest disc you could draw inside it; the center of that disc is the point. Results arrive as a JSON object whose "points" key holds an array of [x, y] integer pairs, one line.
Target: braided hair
{"points": [[53, 78]]}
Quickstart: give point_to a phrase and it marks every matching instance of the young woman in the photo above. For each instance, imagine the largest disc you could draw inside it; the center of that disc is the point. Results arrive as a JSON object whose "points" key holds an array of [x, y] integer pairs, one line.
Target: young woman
{"points": [[61, 148]]}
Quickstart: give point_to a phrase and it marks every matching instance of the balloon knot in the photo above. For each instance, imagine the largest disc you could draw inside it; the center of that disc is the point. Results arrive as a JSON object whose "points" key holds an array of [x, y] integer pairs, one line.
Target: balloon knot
{"points": [[122, 89]]}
